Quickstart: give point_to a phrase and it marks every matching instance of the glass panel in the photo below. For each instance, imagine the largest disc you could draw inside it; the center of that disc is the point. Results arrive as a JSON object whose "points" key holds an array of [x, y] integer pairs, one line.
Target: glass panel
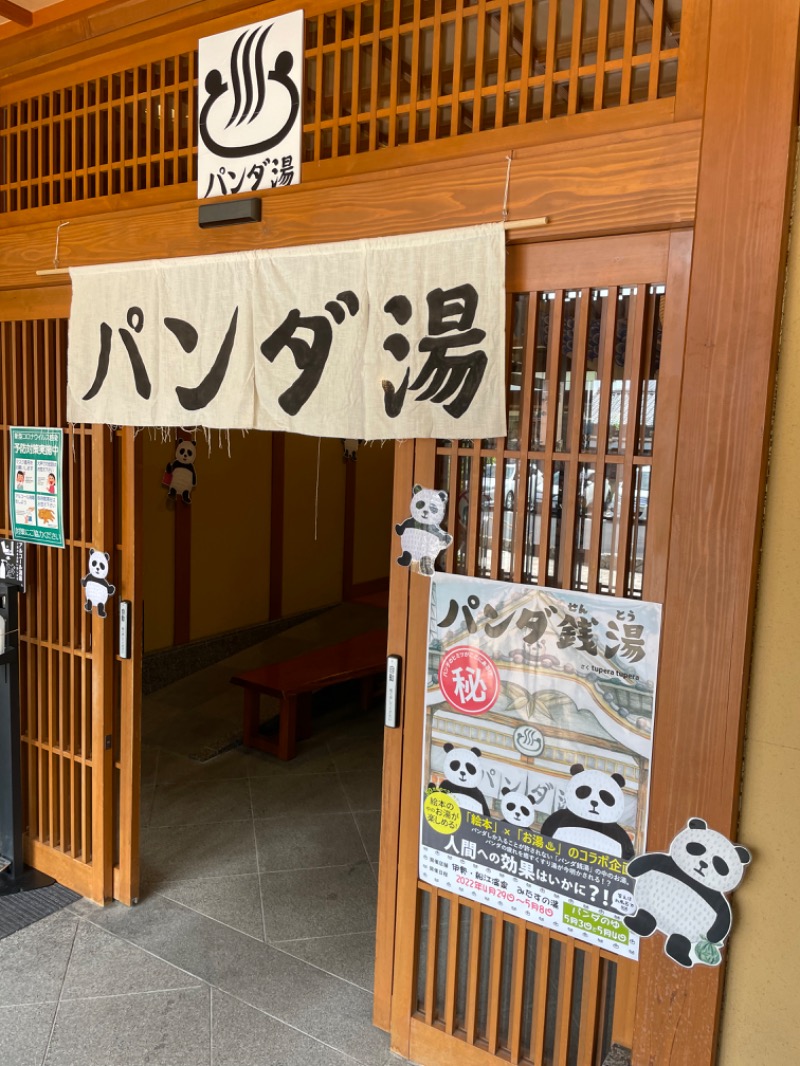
{"points": [[519, 323], [551, 1010], [486, 518], [511, 508], [590, 413], [575, 1012], [544, 306], [464, 934], [583, 527], [464, 473], [528, 980], [651, 361], [557, 496], [641, 500], [533, 524], [484, 969], [424, 906], [568, 323], [509, 943], [442, 937], [612, 512], [620, 385]]}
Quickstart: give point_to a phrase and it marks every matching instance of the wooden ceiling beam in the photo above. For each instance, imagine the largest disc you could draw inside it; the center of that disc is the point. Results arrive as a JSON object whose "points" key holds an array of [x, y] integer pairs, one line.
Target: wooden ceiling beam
{"points": [[15, 13]]}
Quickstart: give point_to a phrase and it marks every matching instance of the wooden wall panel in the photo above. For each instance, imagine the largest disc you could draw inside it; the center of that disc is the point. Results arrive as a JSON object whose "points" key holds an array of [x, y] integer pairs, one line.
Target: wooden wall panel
{"points": [[649, 180], [739, 250]]}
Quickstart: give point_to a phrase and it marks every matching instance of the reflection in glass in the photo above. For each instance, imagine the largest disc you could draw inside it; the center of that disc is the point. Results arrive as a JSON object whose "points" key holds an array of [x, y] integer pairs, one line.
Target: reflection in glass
{"points": [[583, 527], [554, 554], [544, 308], [519, 321], [486, 516], [569, 319], [510, 509]]}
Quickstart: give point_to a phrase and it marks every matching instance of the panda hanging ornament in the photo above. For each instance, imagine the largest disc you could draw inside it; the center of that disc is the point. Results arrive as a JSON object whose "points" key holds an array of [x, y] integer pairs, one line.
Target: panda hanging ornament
{"points": [[682, 894], [95, 584], [179, 476], [420, 536]]}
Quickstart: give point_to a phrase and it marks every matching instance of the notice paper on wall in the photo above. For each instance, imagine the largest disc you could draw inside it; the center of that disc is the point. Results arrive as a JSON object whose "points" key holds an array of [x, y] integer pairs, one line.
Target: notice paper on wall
{"points": [[36, 485]]}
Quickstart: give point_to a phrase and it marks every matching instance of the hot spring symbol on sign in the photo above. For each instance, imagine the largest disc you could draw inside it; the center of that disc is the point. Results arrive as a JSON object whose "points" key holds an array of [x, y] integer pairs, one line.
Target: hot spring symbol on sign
{"points": [[469, 680]]}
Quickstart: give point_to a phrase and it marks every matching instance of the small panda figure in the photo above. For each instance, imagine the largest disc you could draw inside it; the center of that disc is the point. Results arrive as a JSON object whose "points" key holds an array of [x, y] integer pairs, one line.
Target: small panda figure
{"points": [[682, 893], [420, 536], [594, 804], [522, 812], [463, 770], [97, 588], [181, 469]]}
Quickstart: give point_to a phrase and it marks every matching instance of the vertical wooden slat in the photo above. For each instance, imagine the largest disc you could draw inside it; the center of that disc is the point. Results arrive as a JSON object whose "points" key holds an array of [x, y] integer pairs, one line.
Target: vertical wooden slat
{"points": [[502, 65], [476, 934], [633, 375], [526, 68], [524, 503], [575, 57], [553, 367], [126, 877], [588, 1036], [655, 49], [102, 674], [566, 968], [550, 60], [413, 94], [451, 976], [355, 99], [541, 981], [575, 420], [458, 46], [517, 986], [627, 52], [480, 45], [336, 108]]}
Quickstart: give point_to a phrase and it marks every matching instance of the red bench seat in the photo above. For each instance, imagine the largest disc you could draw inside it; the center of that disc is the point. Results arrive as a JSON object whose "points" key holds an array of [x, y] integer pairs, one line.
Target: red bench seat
{"points": [[294, 680]]}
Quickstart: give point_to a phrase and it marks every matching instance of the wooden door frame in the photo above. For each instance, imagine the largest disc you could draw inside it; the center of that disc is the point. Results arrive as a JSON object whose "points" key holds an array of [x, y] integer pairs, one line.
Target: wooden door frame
{"points": [[746, 170]]}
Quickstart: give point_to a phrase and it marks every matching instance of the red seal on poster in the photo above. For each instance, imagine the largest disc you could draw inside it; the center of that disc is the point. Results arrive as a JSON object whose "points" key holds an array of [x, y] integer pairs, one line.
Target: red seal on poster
{"points": [[469, 680]]}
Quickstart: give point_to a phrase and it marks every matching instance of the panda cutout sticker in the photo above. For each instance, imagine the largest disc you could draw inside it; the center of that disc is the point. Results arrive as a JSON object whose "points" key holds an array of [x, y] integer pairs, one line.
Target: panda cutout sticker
{"points": [[96, 587], [682, 893], [421, 539], [179, 477]]}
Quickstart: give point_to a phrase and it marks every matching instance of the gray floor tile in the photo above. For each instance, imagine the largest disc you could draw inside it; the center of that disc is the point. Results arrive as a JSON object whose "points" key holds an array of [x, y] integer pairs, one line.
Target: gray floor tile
{"points": [[33, 962], [358, 753], [363, 789], [196, 851], [25, 1032], [244, 1036], [103, 965], [369, 825], [331, 1010], [150, 755], [201, 802], [351, 956], [333, 899], [313, 757], [300, 794], [234, 901], [146, 804], [150, 1029], [297, 843], [173, 768]]}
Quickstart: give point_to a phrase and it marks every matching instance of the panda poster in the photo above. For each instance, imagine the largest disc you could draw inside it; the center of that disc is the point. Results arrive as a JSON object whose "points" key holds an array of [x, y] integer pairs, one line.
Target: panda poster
{"points": [[35, 481], [539, 709]]}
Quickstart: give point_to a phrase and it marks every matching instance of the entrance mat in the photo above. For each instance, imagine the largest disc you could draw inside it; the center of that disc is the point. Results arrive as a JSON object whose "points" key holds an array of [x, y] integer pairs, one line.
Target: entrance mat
{"points": [[21, 909]]}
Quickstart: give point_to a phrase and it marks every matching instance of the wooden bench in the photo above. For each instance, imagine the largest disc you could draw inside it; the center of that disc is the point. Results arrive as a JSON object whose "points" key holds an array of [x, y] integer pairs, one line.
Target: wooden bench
{"points": [[294, 680]]}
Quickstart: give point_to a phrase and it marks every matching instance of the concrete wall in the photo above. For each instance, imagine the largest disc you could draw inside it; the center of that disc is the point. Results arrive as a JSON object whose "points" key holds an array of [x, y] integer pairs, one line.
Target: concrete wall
{"points": [[760, 1016]]}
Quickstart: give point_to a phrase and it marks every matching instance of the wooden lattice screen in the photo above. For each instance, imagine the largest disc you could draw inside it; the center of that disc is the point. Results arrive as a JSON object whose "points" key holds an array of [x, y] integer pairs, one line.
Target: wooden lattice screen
{"points": [[75, 702], [378, 75], [564, 500]]}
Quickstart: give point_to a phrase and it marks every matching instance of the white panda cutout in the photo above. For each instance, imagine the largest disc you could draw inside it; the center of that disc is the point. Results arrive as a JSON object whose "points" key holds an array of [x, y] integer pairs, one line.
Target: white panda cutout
{"points": [[682, 894], [420, 536], [463, 773], [96, 587], [595, 802]]}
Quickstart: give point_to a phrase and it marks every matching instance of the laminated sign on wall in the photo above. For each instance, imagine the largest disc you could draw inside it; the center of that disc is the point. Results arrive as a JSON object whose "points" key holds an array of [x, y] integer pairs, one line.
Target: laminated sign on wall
{"points": [[537, 747], [35, 485], [390, 338]]}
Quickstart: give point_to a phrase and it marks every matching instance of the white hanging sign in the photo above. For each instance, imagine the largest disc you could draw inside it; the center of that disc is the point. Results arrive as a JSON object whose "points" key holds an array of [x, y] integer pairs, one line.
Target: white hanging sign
{"points": [[389, 338], [250, 91]]}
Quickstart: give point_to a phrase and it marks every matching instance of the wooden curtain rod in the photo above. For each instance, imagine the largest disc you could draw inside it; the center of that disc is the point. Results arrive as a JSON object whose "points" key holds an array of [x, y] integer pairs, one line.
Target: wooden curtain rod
{"points": [[517, 223]]}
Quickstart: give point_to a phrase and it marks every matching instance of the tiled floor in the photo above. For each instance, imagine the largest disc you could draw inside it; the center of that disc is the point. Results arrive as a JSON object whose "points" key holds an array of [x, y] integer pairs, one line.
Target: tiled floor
{"points": [[253, 942]]}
